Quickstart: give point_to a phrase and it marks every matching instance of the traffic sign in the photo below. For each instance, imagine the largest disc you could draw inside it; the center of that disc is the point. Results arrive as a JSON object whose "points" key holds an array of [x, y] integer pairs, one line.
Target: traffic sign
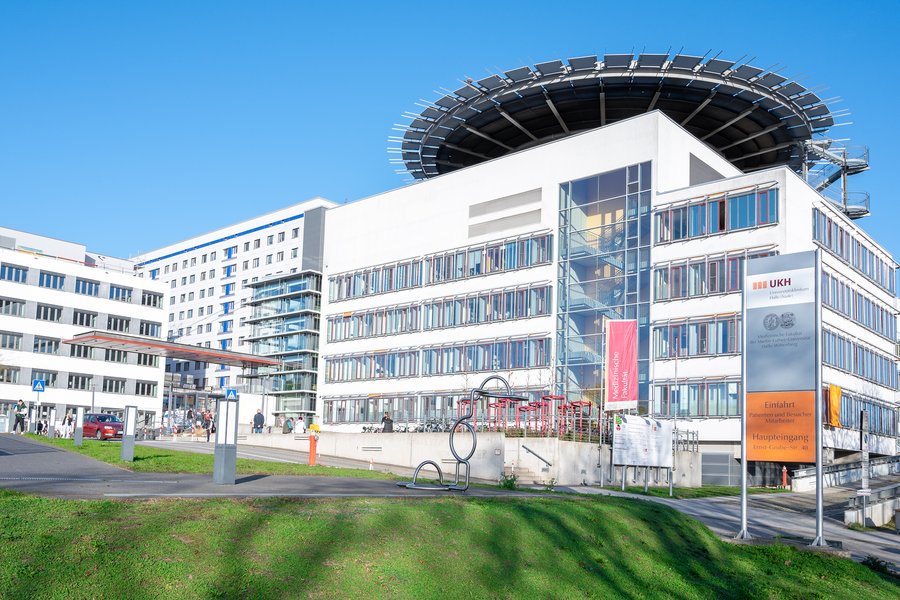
{"points": [[37, 385], [864, 492], [231, 394]]}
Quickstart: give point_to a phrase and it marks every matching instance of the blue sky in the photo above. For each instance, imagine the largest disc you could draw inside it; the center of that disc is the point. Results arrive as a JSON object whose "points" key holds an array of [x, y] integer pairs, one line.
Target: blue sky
{"points": [[131, 125]]}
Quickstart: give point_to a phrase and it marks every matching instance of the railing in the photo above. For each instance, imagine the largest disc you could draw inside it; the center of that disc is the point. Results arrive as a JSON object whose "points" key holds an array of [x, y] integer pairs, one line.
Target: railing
{"points": [[885, 493], [811, 471]]}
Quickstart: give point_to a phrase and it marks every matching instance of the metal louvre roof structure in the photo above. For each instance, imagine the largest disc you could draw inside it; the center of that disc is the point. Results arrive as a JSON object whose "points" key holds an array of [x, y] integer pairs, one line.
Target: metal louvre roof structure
{"points": [[130, 343], [754, 117]]}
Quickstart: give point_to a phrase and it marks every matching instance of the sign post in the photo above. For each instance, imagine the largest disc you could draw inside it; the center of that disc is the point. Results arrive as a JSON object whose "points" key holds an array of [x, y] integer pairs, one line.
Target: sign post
{"points": [[37, 386], [78, 435], [781, 417], [126, 453], [225, 453]]}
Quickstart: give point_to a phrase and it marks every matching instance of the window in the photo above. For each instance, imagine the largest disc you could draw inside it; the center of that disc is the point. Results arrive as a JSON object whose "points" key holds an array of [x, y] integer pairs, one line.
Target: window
{"points": [[268, 259], [79, 382], [150, 328], [48, 313], [279, 257], [145, 388], [9, 374], [246, 246], [154, 274], [49, 377], [122, 294], [12, 307], [77, 351], [270, 240], [53, 281], [294, 252], [13, 273], [281, 236], [151, 299], [112, 385], [117, 356], [227, 308], [255, 262], [10, 341], [147, 360], [119, 324], [193, 261], [256, 243], [701, 277], [44, 345], [295, 232], [733, 212]]}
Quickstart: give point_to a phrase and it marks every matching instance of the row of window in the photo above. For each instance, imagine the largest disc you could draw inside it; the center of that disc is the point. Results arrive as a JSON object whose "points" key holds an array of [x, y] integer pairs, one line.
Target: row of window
{"points": [[45, 345], [702, 337], [77, 381], [474, 261], [847, 355], [467, 357], [845, 246], [85, 287], [867, 312], [882, 417], [703, 276], [472, 309], [227, 252], [411, 407], [717, 215], [493, 257], [46, 312], [706, 398]]}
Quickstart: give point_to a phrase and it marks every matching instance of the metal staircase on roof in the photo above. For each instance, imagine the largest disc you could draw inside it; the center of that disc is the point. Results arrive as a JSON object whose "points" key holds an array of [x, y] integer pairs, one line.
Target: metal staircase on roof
{"points": [[826, 162]]}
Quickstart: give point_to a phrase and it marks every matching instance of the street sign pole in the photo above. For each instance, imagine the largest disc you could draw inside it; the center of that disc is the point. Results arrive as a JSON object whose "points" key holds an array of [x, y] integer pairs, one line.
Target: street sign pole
{"points": [[126, 453], [225, 453], [37, 386]]}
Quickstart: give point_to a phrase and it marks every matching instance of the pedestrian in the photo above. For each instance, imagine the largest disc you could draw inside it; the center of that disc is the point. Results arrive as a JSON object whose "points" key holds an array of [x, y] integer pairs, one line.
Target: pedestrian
{"points": [[212, 425], [285, 428], [302, 424], [190, 416], [290, 425], [258, 421], [387, 423], [21, 413]]}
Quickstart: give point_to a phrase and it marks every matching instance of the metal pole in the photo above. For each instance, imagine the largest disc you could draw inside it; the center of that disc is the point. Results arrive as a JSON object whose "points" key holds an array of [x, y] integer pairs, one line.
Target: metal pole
{"points": [[93, 391], [820, 535], [744, 533]]}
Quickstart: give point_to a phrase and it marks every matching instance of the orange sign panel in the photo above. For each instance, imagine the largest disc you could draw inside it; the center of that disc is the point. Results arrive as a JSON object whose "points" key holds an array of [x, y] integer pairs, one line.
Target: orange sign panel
{"points": [[781, 426]]}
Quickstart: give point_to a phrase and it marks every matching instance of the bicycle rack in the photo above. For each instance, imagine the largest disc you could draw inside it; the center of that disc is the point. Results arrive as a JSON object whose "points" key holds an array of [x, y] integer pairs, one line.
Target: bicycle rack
{"points": [[463, 421]]}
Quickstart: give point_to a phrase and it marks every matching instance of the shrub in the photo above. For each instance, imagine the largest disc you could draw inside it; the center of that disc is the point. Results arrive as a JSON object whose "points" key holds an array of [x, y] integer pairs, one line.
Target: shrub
{"points": [[508, 482]]}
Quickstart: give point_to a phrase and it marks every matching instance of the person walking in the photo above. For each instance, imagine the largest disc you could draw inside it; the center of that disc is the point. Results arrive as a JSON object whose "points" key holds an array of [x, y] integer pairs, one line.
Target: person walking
{"points": [[21, 413], [258, 421]]}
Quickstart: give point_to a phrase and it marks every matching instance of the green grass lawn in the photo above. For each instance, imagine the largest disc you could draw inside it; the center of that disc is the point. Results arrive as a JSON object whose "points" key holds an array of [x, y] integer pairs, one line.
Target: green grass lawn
{"points": [[707, 491], [159, 460], [411, 548]]}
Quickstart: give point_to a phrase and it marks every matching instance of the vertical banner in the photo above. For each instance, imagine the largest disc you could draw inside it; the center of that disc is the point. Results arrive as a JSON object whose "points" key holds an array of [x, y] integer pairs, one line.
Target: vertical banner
{"points": [[621, 365], [780, 373], [834, 405]]}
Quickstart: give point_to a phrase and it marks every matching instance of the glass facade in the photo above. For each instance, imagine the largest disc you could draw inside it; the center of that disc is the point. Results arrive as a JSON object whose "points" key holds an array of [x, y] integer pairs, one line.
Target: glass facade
{"points": [[604, 273], [285, 324]]}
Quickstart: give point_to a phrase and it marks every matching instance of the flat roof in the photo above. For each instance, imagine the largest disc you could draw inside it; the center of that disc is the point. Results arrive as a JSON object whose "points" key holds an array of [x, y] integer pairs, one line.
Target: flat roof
{"points": [[754, 117], [131, 343]]}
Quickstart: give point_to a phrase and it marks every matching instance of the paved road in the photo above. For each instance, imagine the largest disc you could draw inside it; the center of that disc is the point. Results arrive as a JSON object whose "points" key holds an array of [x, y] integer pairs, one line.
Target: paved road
{"points": [[36, 468]]}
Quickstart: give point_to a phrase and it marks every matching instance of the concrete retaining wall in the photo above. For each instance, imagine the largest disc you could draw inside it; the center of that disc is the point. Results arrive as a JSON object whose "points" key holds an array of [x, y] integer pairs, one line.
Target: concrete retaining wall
{"points": [[571, 463], [807, 484], [877, 514]]}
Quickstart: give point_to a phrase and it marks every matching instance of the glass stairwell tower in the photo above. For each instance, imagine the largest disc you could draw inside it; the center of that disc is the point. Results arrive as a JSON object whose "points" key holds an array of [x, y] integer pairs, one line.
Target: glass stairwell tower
{"points": [[604, 273]]}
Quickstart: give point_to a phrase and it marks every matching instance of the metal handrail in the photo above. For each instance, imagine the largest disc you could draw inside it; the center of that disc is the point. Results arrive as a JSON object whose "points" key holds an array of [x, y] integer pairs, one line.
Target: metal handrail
{"points": [[538, 456]]}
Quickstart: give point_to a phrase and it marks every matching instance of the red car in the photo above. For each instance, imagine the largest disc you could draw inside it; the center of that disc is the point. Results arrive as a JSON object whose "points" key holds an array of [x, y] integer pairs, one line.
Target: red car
{"points": [[102, 426]]}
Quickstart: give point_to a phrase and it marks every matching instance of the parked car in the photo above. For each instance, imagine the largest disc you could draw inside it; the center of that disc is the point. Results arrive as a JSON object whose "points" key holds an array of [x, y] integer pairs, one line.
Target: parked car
{"points": [[102, 426]]}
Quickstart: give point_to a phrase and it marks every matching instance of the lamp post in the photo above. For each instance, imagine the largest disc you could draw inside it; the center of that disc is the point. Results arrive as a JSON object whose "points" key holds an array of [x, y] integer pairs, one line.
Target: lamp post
{"points": [[93, 388]]}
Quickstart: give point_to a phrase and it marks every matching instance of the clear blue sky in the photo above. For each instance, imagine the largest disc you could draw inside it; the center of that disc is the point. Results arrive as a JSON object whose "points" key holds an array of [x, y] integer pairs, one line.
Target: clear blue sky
{"points": [[131, 125]]}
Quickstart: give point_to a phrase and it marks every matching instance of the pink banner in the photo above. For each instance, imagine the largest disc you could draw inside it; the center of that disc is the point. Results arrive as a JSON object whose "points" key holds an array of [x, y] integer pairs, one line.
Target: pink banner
{"points": [[621, 365]]}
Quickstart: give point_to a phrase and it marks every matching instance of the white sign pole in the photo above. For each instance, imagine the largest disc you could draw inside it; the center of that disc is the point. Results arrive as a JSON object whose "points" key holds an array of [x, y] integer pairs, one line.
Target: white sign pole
{"points": [[820, 510], [744, 533]]}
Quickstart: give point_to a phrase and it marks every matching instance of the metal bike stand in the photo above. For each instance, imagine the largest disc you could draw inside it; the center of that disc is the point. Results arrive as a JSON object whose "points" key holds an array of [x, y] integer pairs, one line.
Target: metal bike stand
{"points": [[463, 421]]}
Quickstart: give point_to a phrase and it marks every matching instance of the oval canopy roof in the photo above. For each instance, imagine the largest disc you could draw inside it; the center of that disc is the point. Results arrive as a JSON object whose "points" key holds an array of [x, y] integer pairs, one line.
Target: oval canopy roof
{"points": [[754, 117]]}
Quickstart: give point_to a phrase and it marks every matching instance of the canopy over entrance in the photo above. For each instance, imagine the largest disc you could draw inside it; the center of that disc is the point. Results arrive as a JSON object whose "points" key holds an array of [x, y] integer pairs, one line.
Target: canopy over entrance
{"points": [[130, 343]]}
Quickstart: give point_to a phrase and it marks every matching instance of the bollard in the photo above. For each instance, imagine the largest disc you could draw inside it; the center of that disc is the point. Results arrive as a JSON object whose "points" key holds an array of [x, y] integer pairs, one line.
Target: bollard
{"points": [[784, 477], [312, 449]]}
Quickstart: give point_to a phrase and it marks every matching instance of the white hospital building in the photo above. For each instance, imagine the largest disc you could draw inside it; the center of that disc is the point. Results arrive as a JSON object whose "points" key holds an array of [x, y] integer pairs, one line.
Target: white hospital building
{"points": [[548, 200]]}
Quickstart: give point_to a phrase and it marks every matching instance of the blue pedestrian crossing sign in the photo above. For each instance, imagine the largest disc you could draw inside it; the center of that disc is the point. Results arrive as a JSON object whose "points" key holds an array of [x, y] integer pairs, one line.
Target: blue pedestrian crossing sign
{"points": [[231, 394], [37, 385]]}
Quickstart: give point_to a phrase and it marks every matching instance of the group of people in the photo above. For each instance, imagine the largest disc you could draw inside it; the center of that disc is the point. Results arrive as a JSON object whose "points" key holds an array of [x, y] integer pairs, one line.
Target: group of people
{"points": [[287, 425], [66, 427]]}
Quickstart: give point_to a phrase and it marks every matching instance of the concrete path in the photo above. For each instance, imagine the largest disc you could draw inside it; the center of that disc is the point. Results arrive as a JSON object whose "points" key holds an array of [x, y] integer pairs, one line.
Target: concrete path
{"points": [[36, 468], [723, 516]]}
